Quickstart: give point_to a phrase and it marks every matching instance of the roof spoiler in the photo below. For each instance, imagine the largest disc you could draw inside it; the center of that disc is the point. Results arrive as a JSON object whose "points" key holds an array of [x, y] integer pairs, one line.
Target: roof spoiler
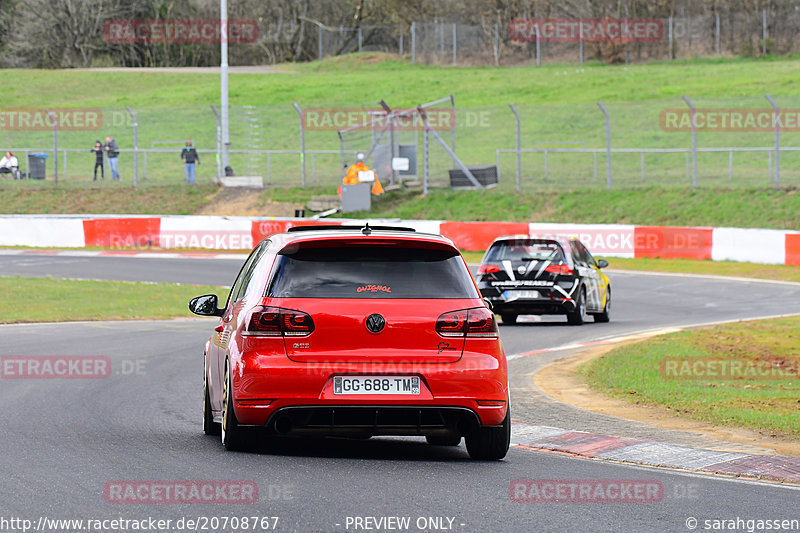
{"points": [[365, 229]]}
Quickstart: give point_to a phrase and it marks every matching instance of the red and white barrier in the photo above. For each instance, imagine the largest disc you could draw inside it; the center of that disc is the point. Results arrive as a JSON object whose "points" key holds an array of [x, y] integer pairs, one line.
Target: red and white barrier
{"points": [[242, 233]]}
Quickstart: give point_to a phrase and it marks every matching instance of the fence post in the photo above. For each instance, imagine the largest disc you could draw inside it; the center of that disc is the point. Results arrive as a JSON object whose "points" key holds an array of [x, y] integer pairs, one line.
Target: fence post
{"points": [[538, 48], [608, 144], [776, 122], [455, 44], [135, 146], [319, 43], [497, 45], [302, 143], [413, 42], [642, 154], [519, 147], [671, 57], [764, 32], [218, 146], [694, 141], [717, 34], [360, 39], [424, 159], [401, 44], [730, 165], [453, 130], [580, 39], [55, 146]]}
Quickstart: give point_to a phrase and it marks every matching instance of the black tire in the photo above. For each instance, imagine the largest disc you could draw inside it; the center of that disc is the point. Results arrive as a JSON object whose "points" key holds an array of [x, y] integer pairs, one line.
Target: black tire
{"points": [[605, 316], [232, 433], [577, 316], [509, 318], [449, 440], [490, 443], [209, 426]]}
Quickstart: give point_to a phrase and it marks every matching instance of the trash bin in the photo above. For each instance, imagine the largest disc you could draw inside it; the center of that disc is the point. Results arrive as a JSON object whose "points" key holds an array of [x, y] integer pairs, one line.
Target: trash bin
{"points": [[37, 166]]}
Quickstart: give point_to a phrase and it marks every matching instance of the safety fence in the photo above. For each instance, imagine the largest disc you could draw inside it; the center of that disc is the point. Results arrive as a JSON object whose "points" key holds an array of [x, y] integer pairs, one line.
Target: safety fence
{"points": [[728, 142]]}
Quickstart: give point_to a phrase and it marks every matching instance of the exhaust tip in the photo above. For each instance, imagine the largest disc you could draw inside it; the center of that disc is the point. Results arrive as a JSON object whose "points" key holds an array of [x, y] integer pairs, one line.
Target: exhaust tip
{"points": [[283, 425], [465, 426]]}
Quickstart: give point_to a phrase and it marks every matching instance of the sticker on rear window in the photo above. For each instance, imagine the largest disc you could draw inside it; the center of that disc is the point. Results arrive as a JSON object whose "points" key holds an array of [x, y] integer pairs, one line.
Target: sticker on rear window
{"points": [[374, 288]]}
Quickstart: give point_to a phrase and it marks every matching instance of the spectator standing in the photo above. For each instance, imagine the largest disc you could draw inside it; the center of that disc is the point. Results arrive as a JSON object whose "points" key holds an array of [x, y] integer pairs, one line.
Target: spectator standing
{"points": [[190, 159], [112, 150], [98, 162]]}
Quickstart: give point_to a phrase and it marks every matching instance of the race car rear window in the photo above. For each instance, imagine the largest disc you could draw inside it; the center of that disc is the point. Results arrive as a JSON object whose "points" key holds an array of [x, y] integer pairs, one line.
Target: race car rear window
{"points": [[525, 250], [370, 272]]}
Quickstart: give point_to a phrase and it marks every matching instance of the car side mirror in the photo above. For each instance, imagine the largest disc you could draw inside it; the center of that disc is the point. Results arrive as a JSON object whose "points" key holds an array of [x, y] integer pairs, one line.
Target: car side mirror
{"points": [[206, 305], [602, 263]]}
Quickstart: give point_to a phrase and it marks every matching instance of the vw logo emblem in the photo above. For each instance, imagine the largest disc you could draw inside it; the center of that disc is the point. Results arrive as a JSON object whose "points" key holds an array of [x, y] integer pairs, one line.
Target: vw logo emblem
{"points": [[521, 270], [375, 323]]}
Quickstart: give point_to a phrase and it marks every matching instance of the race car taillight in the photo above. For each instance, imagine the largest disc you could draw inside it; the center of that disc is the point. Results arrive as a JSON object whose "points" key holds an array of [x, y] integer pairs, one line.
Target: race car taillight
{"points": [[275, 322], [478, 322], [488, 269], [560, 269]]}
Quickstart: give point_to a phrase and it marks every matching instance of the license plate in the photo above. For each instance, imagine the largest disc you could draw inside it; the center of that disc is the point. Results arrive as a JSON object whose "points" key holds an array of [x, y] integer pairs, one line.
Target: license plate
{"points": [[521, 295], [376, 385]]}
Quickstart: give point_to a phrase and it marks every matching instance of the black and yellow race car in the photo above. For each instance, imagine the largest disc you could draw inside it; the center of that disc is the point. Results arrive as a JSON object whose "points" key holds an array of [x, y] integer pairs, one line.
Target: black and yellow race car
{"points": [[524, 275]]}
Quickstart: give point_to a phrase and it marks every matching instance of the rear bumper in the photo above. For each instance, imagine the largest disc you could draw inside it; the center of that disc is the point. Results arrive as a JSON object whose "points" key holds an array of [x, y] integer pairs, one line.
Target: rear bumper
{"points": [[349, 420], [550, 300], [532, 307], [474, 388]]}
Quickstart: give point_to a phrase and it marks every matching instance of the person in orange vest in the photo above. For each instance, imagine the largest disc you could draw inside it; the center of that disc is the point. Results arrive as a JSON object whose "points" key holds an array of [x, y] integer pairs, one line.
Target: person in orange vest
{"points": [[351, 178]]}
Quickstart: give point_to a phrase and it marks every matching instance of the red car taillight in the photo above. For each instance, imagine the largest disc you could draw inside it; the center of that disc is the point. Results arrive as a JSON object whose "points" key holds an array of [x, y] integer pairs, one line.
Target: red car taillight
{"points": [[478, 322], [275, 322], [488, 269], [560, 269]]}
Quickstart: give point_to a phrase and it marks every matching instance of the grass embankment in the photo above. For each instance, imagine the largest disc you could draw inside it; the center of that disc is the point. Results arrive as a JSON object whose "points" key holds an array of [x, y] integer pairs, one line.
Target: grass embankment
{"points": [[57, 300], [756, 208], [162, 200], [367, 77], [638, 373]]}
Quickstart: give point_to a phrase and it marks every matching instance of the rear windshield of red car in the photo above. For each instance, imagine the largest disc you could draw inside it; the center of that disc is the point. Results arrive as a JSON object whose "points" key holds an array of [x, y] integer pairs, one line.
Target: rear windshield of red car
{"points": [[370, 272]]}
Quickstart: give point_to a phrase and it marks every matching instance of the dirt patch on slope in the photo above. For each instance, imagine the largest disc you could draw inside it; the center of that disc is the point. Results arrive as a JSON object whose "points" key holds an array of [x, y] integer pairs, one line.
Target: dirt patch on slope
{"points": [[246, 202]]}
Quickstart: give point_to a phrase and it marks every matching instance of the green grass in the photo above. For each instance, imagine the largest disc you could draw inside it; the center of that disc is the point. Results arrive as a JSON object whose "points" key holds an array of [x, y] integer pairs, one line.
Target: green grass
{"points": [[57, 300], [163, 200], [748, 208], [634, 373], [714, 268], [365, 78]]}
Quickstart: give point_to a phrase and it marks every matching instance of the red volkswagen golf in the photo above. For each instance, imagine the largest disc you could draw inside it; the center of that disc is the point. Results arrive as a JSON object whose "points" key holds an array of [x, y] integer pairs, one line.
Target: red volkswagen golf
{"points": [[356, 331]]}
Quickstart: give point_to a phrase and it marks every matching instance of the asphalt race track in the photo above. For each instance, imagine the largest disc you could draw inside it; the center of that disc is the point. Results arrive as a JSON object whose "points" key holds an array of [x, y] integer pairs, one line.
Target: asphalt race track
{"points": [[66, 440]]}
